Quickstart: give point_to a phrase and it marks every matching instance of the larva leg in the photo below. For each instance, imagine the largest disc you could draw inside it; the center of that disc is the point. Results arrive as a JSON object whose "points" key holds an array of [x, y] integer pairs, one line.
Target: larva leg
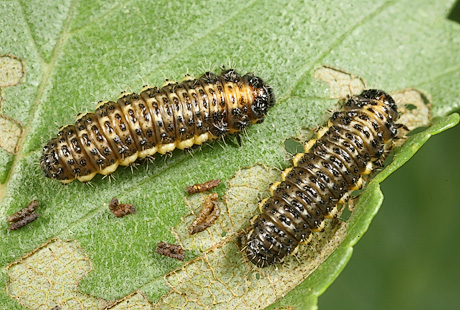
{"points": [[296, 158], [261, 204], [167, 83], [285, 173], [188, 78]]}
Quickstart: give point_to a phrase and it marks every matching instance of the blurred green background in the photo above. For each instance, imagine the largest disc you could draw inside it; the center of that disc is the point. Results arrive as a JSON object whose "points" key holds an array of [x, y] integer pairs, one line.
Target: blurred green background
{"points": [[409, 258]]}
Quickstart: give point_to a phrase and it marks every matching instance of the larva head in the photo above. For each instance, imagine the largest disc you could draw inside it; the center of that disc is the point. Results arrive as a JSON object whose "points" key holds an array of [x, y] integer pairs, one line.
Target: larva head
{"points": [[380, 95], [259, 255], [379, 104], [51, 165], [268, 243], [263, 96]]}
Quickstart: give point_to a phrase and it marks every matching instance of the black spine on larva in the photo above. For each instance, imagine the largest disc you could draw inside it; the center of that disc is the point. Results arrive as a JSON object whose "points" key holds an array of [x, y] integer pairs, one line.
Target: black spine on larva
{"points": [[156, 120], [356, 135]]}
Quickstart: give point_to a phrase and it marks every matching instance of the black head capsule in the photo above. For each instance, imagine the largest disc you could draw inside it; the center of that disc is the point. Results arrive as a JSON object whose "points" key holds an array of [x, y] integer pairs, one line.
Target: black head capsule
{"points": [[264, 99]]}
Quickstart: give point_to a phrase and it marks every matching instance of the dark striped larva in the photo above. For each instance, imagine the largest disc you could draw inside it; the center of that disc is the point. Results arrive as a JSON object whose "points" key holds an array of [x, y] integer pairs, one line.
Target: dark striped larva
{"points": [[177, 115], [355, 139]]}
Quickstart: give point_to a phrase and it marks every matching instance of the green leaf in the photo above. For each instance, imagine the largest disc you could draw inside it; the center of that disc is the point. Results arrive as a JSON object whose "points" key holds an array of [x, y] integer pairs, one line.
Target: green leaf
{"points": [[76, 53]]}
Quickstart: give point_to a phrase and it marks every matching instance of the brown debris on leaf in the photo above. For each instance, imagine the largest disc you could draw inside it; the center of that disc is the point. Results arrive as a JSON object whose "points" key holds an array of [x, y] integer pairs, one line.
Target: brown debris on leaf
{"points": [[170, 250], [121, 210], [24, 221], [209, 213], [24, 216], [31, 207], [199, 188]]}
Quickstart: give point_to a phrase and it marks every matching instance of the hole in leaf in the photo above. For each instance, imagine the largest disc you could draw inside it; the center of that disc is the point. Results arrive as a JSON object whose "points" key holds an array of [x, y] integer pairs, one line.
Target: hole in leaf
{"points": [[292, 146], [410, 107], [424, 98], [346, 213], [454, 14]]}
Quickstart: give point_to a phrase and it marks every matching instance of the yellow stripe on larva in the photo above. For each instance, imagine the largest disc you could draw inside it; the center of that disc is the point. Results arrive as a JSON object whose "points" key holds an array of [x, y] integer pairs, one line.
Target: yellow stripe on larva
{"points": [[158, 120]]}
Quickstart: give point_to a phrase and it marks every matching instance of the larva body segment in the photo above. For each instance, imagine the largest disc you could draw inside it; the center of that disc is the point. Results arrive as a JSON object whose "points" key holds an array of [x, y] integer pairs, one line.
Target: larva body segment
{"points": [[332, 165], [177, 115]]}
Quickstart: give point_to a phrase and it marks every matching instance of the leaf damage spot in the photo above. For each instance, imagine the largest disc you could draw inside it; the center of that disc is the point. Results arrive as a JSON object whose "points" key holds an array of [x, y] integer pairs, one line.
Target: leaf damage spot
{"points": [[341, 83], [12, 70], [221, 277], [414, 108], [240, 205], [49, 275], [293, 146], [11, 131], [134, 301]]}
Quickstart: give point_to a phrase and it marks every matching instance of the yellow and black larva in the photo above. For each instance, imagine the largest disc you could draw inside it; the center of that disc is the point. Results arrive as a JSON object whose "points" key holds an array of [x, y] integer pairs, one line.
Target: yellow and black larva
{"points": [[156, 120], [355, 139]]}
